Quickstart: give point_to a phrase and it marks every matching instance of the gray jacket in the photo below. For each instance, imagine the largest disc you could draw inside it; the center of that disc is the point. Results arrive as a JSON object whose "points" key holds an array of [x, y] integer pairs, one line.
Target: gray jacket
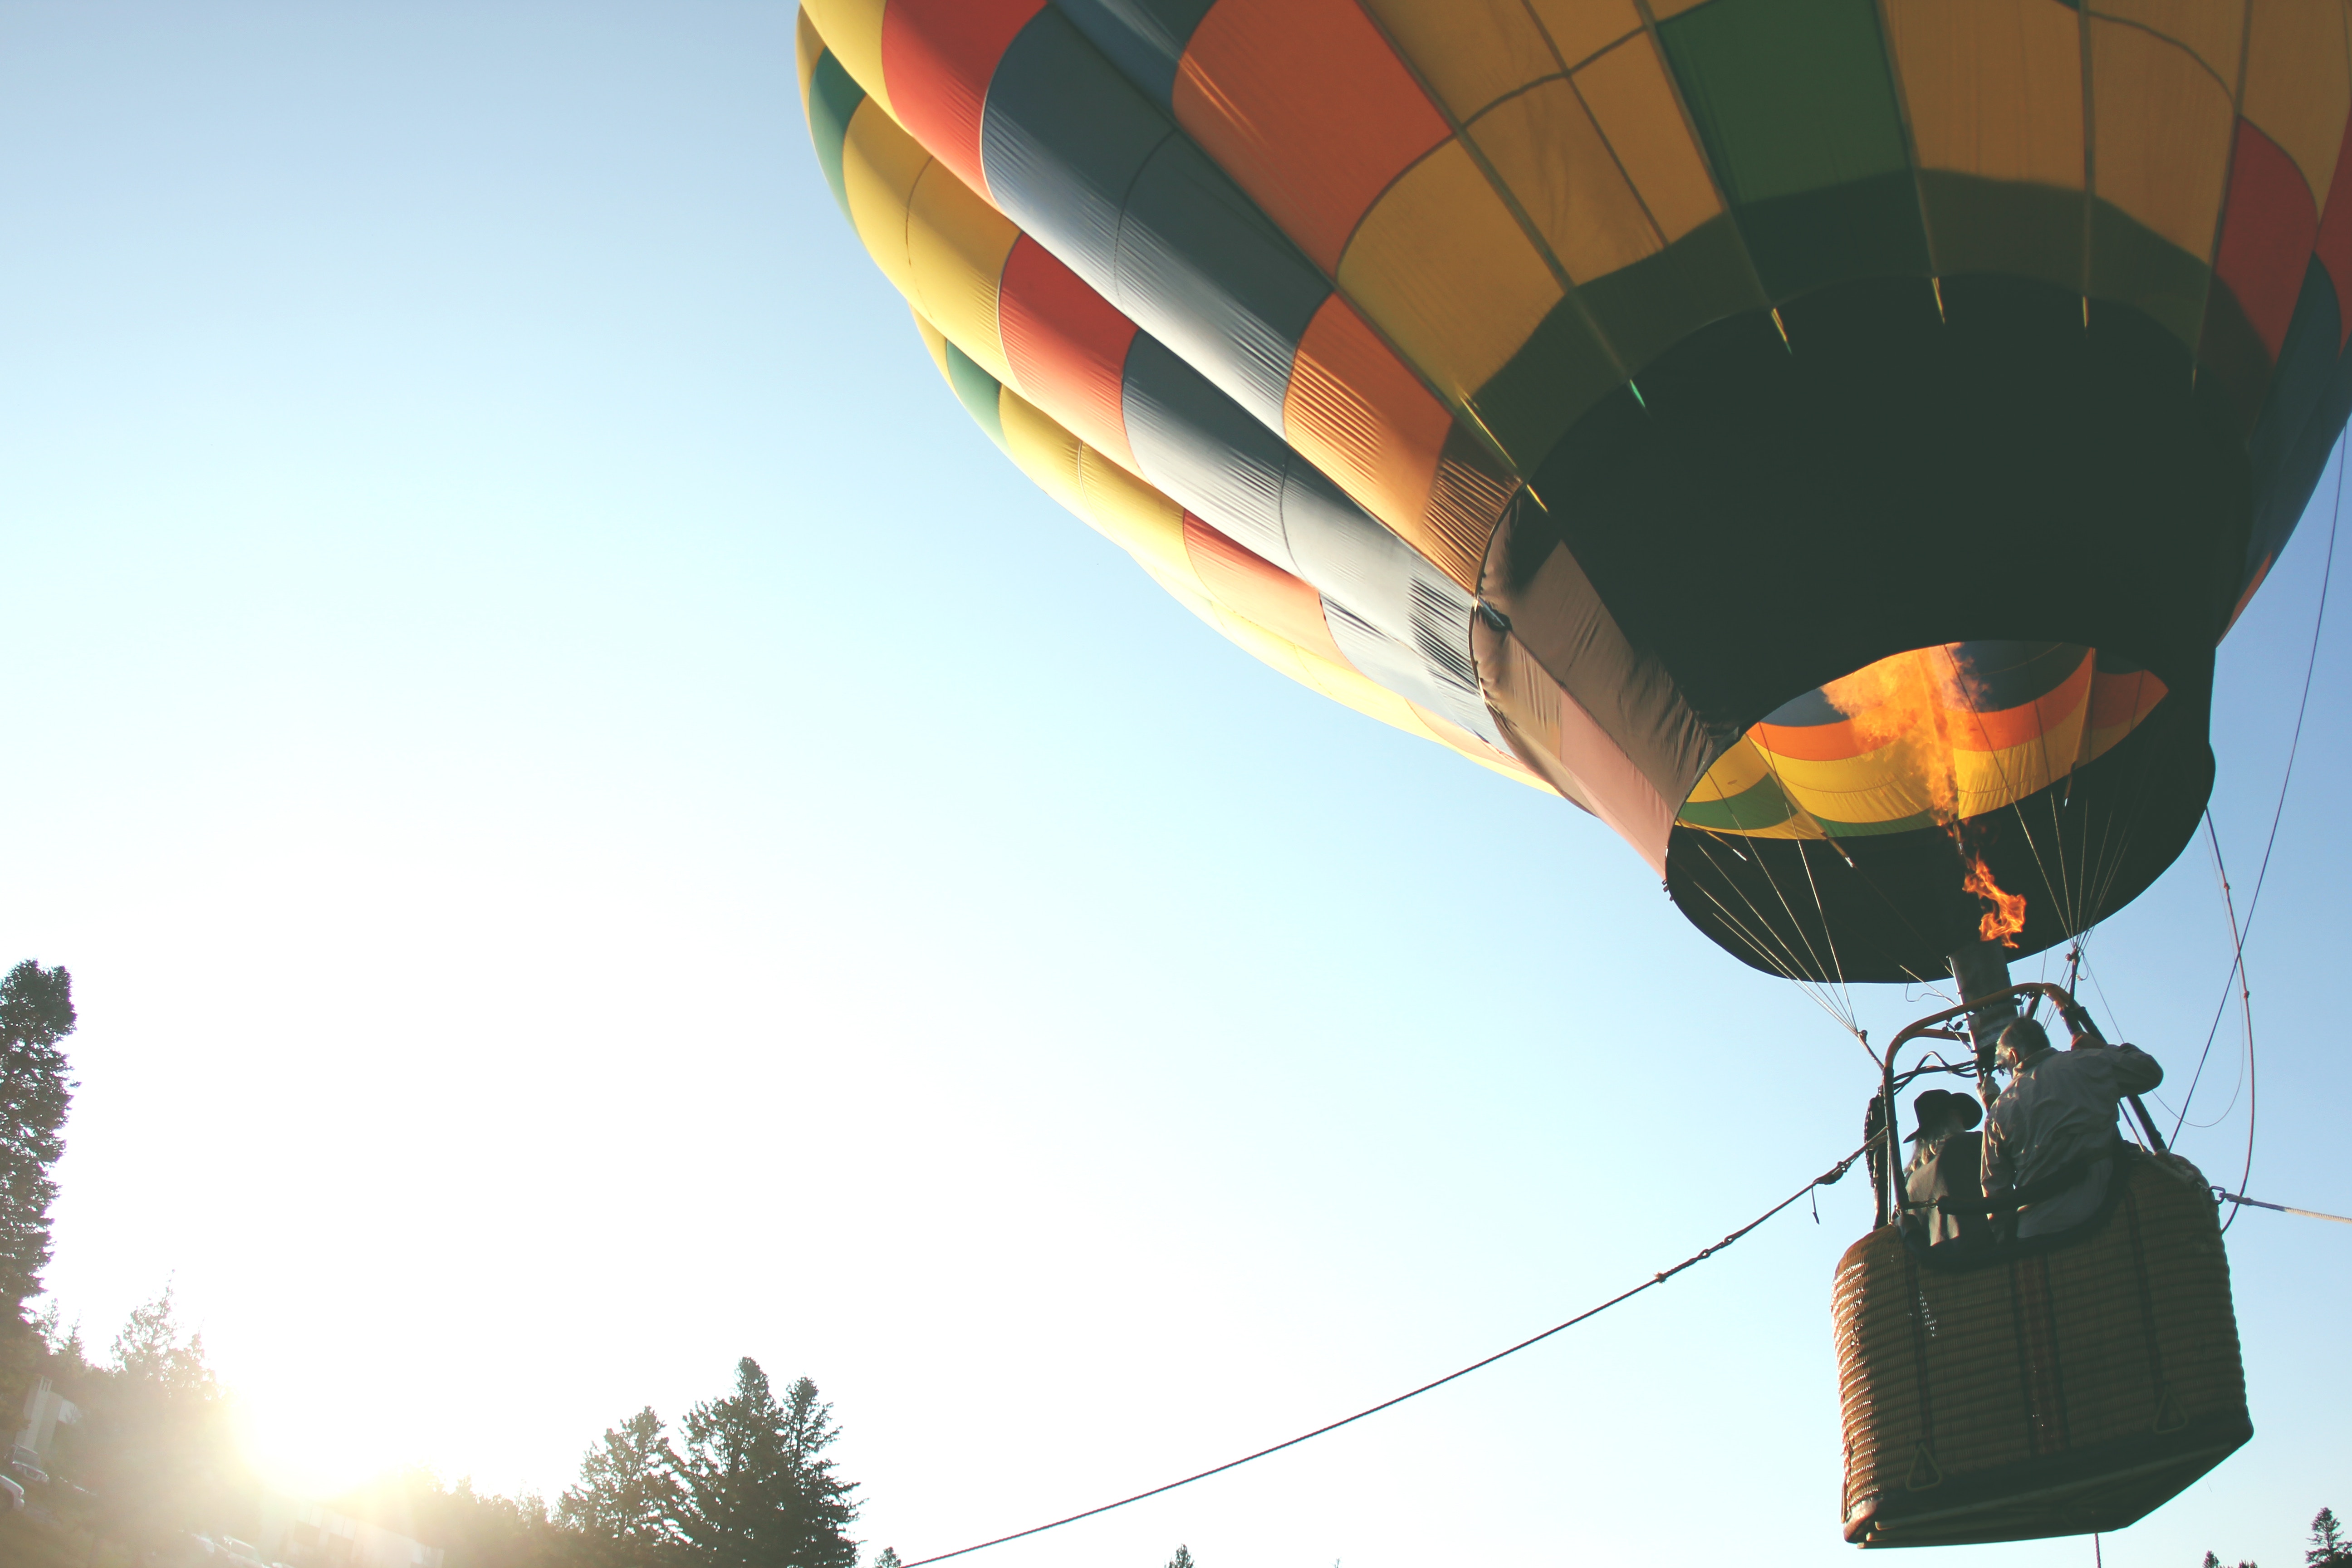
{"points": [[2060, 1108]]}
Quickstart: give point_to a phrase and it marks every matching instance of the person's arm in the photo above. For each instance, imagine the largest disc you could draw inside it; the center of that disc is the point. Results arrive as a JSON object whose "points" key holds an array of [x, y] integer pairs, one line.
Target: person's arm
{"points": [[1999, 1174], [2136, 1072]]}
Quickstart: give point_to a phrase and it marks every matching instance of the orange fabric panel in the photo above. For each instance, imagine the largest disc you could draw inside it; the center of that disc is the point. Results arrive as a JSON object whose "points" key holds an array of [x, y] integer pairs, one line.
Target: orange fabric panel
{"points": [[2006, 727], [2123, 699], [1356, 412], [1258, 590], [1811, 742], [1306, 106]]}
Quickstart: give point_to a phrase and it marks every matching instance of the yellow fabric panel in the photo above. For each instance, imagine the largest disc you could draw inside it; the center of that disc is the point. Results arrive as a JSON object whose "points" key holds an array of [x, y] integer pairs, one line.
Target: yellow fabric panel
{"points": [[1132, 514], [1738, 771], [1887, 785], [807, 45], [1042, 449], [1995, 87], [934, 341], [852, 30], [1470, 52], [879, 166], [956, 246], [2298, 83], [1580, 29], [2162, 128], [1551, 158], [2213, 30], [1634, 105], [1442, 267]]}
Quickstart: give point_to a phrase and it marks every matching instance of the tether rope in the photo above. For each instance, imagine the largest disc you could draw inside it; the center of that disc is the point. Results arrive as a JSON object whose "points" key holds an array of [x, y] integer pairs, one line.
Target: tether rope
{"points": [[2239, 932], [1827, 1178]]}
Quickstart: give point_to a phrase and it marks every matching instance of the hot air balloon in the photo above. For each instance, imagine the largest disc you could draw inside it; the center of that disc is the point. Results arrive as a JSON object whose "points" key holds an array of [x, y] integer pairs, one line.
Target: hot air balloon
{"points": [[1824, 439]]}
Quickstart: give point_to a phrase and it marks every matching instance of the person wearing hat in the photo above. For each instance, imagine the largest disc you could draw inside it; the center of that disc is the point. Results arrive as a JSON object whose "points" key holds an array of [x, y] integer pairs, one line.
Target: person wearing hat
{"points": [[1944, 1167], [2057, 1119]]}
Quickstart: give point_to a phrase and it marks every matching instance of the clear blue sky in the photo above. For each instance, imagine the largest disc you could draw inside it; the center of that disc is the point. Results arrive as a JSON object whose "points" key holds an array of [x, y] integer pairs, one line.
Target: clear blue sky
{"points": [[600, 827]]}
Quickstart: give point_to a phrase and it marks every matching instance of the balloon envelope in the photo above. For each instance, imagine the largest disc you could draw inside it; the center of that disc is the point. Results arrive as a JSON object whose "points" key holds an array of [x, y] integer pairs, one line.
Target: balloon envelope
{"points": [[1825, 440]]}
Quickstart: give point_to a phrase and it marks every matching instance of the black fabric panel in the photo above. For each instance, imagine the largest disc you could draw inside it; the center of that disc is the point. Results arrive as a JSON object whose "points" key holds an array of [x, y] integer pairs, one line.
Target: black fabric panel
{"points": [[1559, 372], [1891, 906], [1770, 517], [1645, 309], [1144, 38], [1976, 225], [1869, 229], [2310, 398], [2131, 264]]}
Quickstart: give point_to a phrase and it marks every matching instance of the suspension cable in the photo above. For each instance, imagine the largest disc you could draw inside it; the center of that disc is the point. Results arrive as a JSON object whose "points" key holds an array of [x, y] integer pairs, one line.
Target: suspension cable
{"points": [[1827, 1178]]}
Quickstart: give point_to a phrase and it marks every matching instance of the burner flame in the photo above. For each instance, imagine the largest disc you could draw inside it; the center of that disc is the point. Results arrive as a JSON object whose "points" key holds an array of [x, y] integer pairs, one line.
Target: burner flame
{"points": [[2005, 914]]}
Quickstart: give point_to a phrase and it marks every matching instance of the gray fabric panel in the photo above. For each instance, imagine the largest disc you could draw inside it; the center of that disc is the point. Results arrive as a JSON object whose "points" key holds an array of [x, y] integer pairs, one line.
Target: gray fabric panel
{"points": [[1354, 559], [1202, 269], [1402, 668], [1204, 450], [1063, 137]]}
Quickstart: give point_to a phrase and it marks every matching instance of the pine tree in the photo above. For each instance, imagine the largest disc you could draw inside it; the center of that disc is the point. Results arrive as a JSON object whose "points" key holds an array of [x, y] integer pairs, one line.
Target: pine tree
{"points": [[36, 1011], [626, 1496], [2328, 1547], [2213, 1562], [756, 1490], [890, 1558], [1183, 1558]]}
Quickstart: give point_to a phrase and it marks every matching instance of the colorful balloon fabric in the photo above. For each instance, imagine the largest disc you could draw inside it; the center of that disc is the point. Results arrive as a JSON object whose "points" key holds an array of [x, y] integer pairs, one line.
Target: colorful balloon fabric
{"points": [[1825, 439]]}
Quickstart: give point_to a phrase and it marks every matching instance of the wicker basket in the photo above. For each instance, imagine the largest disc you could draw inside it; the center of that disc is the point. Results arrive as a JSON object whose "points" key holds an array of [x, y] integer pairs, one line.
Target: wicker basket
{"points": [[2040, 1392]]}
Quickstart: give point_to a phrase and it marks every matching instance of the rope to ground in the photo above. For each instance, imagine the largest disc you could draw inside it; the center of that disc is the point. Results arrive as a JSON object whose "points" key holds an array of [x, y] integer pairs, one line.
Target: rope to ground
{"points": [[1827, 1178], [2241, 1199]]}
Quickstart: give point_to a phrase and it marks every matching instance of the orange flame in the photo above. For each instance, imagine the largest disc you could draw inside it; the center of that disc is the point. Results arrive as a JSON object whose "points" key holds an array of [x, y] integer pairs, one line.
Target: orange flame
{"points": [[1914, 703], [2006, 917], [1911, 707]]}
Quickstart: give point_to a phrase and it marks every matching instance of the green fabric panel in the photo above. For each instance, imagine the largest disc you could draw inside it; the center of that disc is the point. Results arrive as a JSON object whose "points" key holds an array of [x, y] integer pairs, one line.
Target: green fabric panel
{"points": [[1869, 229], [2133, 265], [1559, 372], [1760, 805], [977, 391], [1647, 307], [1976, 225], [833, 97], [1790, 95]]}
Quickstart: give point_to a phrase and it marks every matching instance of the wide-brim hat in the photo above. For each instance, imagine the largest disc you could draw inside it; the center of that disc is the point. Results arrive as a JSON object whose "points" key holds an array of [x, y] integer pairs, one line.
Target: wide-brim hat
{"points": [[1928, 1107]]}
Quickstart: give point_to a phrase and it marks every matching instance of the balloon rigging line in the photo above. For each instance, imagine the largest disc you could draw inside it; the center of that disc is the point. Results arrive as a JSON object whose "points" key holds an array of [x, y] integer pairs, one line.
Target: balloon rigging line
{"points": [[2238, 933], [2241, 1198], [1826, 1178]]}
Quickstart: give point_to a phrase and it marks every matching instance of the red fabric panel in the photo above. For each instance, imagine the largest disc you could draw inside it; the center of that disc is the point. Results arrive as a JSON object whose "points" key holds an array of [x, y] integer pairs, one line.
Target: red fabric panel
{"points": [[1067, 345], [2266, 235], [2334, 242], [1306, 106], [936, 58], [1257, 589]]}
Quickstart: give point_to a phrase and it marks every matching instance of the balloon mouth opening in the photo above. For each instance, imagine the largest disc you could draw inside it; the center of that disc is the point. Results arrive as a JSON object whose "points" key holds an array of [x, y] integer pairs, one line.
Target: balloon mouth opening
{"points": [[1928, 738]]}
